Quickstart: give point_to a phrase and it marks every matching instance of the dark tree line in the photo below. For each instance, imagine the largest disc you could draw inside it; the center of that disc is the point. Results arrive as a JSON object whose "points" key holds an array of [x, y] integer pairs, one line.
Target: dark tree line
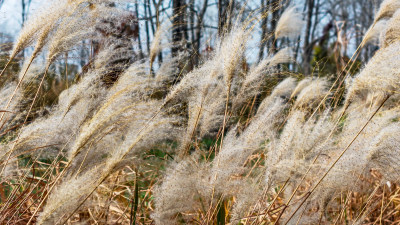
{"points": [[333, 28], [332, 31]]}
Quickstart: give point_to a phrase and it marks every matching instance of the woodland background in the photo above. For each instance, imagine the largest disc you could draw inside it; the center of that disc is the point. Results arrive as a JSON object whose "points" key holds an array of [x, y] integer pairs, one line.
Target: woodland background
{"points": [[334, 29]]}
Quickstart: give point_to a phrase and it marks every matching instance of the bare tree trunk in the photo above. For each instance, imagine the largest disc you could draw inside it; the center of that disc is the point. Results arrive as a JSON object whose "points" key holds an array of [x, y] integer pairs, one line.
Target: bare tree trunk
{"points": [[222, 5], [23, 6], [147, 29], [199, 28], [23, 11], [150, 17], [264, 28], [272, 44], [141, 56], [83, 54], [179, 30], [316, 19], [157, 7], [192, 21], [307, 49], [24, 15], [225, 9]]}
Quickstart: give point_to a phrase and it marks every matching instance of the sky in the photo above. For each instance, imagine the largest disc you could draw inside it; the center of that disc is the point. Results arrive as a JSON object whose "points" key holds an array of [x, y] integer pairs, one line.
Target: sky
{"points": [[10, 15]]}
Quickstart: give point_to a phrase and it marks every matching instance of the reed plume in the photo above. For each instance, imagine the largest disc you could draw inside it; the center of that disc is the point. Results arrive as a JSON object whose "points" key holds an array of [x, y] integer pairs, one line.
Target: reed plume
{"points": [[386, 9], [290, 24]]}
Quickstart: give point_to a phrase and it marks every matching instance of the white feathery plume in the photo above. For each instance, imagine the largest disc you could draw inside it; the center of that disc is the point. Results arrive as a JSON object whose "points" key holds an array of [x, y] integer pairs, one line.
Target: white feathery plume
{"points": [[34, 26], [236, 150], [290, 24], [104, 144], [387, 9], [256, 77], [373, 34], [384, 153], [392, 31], [231, 51], [285, 55], [283, 90], [312, 94], [69, 33], [11, 108], [380, 74], [182, 187], [301, 85], [263, 127], [156, 46]]}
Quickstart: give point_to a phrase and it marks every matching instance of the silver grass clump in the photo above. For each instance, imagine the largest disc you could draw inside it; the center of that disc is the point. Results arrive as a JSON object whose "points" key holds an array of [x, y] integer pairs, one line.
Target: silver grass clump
{"points": [[364, 96], [60, 127], [290, 24], [202, 87], [212, 116], [33, 71], [184, 189], [291, 154], [119, 106], [197, 78], [380, 75], [6, 92], [206, 107], [285, 55], [231, 160], [301, 140], [63, 24], [384, 152], [56, 210], [387, 9], [247, 198], [39, 24], [355, 162], [100, 164], [345, 176], [110, 138], [193, 183], [284, 89], [257, 75], [125, 104], [76, 105], [236, 150], [39, 32], [231, 51]]}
